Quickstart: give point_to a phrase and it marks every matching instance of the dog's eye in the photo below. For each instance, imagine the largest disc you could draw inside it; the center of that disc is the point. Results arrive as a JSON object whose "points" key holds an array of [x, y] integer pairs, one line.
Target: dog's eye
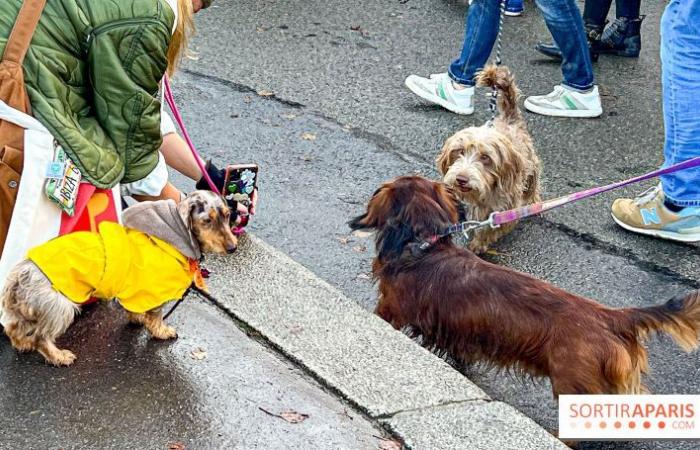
{"points": [[485, 159]]}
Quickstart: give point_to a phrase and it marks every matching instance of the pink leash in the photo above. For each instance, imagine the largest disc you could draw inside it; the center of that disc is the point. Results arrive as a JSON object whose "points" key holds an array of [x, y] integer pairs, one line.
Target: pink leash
{"points": [[170, 100], [498, 218]]}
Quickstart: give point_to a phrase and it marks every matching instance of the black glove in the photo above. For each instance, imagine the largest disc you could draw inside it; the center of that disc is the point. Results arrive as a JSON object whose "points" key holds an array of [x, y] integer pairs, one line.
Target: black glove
{"points": [[218, 176]]}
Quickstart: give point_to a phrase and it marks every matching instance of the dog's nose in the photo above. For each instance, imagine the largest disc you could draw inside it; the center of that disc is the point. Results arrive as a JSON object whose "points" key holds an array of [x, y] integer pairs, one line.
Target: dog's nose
{"points": [[462, 181], [231, 248]]}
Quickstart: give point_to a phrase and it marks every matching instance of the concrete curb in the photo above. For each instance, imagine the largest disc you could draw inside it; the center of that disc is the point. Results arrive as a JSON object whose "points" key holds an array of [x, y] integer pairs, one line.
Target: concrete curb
{"points": [[412, 392]]}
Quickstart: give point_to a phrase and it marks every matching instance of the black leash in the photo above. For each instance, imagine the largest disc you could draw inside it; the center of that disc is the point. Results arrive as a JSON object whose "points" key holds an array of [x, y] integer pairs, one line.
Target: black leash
{"points": [[196, 290]]}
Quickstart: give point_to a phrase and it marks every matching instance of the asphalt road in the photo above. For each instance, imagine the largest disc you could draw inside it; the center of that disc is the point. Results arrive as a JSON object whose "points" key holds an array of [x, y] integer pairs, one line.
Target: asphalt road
{"points": [[340, 122], [212, 388]]}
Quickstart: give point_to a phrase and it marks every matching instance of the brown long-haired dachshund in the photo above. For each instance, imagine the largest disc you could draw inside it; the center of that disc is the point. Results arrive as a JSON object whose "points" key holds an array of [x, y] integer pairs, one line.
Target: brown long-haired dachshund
{"points": [[480, 312]]}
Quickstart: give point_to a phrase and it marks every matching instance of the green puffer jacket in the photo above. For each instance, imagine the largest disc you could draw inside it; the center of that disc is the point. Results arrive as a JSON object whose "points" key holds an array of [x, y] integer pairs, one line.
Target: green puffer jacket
{"points": [[92, 75]]}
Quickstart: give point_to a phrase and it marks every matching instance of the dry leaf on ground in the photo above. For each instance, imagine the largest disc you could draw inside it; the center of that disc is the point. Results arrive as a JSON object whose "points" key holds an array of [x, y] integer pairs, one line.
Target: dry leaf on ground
{"points": [[289, 116], [364, 276], [265, 93], [308, 136], [198, 353], [389, 445], [293, 416], [344, 239], [176, 446], [361, 234], [360, 248], [288, 415]]}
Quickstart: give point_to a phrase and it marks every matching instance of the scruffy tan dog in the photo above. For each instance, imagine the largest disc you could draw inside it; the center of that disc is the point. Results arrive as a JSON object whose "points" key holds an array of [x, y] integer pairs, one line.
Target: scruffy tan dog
{"points": [[149, 261], [493, 168]]}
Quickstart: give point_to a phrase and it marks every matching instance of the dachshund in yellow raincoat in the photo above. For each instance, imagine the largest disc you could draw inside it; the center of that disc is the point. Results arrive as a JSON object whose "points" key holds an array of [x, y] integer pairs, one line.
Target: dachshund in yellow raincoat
{"points": [[151, 260]]}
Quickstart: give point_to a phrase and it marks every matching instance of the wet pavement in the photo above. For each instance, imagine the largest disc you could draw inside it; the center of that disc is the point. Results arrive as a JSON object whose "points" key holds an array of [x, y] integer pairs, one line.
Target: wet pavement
{"points": [[341, 122], [212, 388]]}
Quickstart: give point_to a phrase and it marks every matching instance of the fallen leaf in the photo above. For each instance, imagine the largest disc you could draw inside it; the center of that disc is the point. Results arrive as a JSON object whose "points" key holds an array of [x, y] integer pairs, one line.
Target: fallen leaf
{"points": [[247, 99], [289, 116], [287, 415], [344, 239], [387, 444], [307, 158], [260, 29], [265, 93], [308, 136], [176, 446], [360, 248], [364, 276], [198, 353], [362, 234], [293, 416]]}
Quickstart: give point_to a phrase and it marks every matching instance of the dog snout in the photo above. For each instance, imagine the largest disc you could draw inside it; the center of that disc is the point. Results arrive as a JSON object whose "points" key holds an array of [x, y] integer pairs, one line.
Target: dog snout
{"points": [[463, 182], [230, 248]]}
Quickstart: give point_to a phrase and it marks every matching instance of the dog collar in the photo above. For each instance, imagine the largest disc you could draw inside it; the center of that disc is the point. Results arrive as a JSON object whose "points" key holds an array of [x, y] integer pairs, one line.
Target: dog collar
{"points": [[467, 228]]}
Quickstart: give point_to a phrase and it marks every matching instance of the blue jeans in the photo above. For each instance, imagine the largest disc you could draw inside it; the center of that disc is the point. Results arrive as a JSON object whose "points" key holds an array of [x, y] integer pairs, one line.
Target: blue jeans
{"points": [[563, 19], [680, 56]]}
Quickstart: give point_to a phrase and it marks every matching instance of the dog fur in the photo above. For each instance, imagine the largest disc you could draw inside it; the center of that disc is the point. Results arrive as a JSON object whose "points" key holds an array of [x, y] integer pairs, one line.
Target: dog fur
{"points": [[34, 315], [478, 312], [493, 168]]}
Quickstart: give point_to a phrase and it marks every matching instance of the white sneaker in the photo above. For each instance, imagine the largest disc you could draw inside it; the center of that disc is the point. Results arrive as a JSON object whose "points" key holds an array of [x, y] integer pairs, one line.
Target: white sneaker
{"points": [[565, 102], [438, 89]]}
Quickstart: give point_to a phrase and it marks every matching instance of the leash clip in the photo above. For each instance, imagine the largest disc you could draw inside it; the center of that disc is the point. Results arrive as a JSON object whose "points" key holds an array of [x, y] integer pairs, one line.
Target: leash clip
{"points": [[470, 226]]}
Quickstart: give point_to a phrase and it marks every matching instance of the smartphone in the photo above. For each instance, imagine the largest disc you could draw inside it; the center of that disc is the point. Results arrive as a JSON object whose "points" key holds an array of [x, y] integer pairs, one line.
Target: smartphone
{"points": [[239, 184]]}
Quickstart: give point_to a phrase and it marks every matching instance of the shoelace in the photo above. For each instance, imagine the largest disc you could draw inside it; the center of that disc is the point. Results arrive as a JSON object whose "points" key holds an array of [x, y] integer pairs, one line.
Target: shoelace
{"points": [[556, 93], [647, 196]]}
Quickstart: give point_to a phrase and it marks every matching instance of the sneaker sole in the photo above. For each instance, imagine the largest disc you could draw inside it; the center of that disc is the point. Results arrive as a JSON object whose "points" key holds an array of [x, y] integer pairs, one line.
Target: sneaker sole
{"points": [[588, 113], [669, 235], [514, 14], [438, 100]]}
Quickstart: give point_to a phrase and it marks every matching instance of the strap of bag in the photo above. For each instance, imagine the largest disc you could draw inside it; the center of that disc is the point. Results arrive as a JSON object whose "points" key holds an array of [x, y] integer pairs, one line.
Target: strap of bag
{"points": [[23, 30]]}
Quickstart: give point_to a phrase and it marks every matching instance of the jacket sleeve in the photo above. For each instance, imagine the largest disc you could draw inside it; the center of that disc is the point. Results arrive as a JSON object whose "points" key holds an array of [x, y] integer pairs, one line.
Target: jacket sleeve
{"points": [[126, 63]]}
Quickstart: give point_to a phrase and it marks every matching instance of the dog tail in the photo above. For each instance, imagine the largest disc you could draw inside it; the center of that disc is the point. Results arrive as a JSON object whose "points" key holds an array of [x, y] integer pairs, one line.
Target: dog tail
{"points": [[502, 79], [678, 317]]}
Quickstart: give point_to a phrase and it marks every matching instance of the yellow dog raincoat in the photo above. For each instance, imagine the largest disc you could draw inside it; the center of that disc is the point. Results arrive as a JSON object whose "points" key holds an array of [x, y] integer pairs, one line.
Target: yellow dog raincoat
{"points": [[140, 270]]}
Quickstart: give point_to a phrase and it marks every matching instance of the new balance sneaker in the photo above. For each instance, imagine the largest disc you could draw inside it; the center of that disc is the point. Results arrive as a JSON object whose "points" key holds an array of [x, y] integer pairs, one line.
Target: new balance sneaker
{"points": [[514, 8], [647, 214], [566, 102], [439, 89]]}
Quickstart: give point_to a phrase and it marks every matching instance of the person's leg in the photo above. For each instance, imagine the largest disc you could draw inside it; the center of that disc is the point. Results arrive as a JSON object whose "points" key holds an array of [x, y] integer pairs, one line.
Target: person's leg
{"points": [[671, 210], [564, 21], [628, 8], [596, 11], [455, 89], [480, 35], [680, 53], [577, 96]]}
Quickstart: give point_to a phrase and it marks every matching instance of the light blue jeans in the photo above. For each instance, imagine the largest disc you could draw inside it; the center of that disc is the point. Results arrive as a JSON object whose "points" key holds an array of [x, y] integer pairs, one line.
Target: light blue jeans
{"points": [[680, 65]]}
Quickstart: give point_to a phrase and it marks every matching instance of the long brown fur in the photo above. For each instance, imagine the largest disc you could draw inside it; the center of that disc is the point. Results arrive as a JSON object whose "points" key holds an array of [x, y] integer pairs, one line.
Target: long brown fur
{"points": [[478, 312], [493, 168]]}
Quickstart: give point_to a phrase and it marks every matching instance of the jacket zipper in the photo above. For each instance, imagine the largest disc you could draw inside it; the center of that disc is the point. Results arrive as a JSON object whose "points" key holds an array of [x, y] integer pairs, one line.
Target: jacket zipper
{"points": [[117, 24]]}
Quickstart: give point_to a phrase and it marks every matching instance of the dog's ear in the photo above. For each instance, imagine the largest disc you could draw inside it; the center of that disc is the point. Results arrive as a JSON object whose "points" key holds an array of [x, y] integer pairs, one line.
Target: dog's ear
{"points": [[392, 239], [445, 158], [377, 211], [512, 168], [360, 223]]}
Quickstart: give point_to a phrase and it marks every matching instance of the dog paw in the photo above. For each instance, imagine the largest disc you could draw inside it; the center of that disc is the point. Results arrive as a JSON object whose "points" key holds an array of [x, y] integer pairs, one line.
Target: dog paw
{"points": [[165, 332], [63, 358]]}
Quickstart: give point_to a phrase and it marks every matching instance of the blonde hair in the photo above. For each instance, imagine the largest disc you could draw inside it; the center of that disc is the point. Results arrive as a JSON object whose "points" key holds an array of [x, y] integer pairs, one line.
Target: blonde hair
{"points": [[183, 30]]}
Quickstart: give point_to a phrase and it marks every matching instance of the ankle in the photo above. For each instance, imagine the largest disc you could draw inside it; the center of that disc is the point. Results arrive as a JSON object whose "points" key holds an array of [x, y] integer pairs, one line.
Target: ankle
{"points": [[673, 207]]}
